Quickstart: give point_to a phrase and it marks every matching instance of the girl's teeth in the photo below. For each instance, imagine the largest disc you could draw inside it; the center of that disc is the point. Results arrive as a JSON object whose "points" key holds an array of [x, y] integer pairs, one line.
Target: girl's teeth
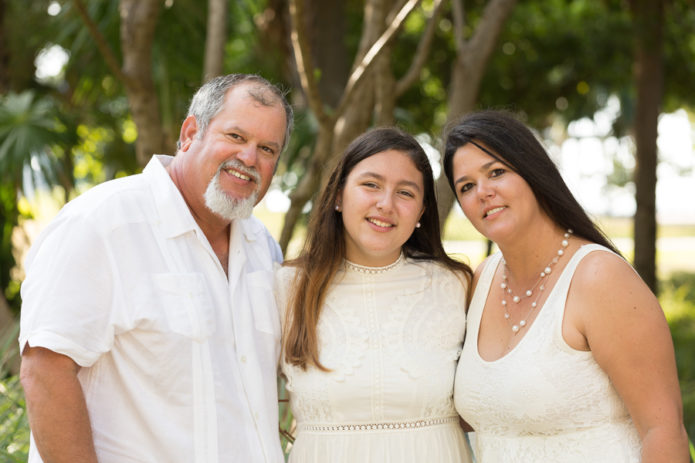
{"points": [[379, 223]]}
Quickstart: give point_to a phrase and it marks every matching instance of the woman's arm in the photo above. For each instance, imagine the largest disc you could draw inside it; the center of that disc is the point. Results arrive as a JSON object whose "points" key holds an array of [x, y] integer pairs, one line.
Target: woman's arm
{"points": [[623, 325]]}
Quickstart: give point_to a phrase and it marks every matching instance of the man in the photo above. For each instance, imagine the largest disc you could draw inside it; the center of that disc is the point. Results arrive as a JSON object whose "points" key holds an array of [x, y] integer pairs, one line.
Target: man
{"points": [[148, 328]]}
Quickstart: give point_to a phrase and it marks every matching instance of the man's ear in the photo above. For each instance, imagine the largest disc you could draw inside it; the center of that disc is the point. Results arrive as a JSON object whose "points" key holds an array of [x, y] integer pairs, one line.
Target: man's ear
{"points": [[189, 129]]}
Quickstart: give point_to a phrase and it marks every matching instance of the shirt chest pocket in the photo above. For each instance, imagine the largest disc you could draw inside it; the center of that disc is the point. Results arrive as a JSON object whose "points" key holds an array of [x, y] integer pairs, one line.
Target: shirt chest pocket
{"points": [[184, 301], [266, 318]]}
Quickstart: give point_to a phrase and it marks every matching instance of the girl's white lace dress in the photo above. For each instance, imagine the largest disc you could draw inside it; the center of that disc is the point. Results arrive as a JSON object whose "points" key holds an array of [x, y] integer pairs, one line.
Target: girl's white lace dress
{"points": [[543, 401], [391, 337]]}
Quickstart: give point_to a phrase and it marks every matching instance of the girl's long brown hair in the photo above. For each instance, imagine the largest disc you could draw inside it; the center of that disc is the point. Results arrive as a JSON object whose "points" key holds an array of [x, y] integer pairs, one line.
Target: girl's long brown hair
{"points": [[324, 249]]}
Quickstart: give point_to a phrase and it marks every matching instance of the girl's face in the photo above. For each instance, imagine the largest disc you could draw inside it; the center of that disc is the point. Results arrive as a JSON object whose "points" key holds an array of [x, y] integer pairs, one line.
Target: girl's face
{"points": [[381, 202], [498, 201]]}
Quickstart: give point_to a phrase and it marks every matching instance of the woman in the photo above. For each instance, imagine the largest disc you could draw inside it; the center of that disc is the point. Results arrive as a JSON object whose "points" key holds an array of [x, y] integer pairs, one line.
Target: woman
{"points": [[375, 315], [568, 357]]}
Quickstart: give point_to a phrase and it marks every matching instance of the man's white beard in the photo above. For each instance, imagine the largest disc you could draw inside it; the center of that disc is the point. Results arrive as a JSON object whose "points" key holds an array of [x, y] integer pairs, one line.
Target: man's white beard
{"points": [[225, 206]]}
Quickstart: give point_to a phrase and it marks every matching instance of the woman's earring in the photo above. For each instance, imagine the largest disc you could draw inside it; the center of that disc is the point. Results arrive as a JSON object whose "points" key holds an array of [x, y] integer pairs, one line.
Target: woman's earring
{"points": [[417, 225], [337, 208]]}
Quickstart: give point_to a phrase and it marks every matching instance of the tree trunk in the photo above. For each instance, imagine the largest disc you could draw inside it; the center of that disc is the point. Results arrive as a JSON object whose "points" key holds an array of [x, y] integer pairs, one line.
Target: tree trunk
{"points": [[4, 52], [138, 22], [215, 39], [325, 24], [468, 69], [356, 103], [648, 16]]}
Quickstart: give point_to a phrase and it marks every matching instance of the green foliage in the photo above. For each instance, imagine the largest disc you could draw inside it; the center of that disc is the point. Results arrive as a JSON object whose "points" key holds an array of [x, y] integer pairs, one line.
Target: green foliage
{"points": [[560, 56], [678, 300], [29, 127], [14, 427]]}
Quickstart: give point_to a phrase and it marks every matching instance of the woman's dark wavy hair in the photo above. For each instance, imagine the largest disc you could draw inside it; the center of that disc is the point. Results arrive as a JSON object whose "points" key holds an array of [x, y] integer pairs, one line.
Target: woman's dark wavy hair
{"points": [[510, 142], [324, 249]]}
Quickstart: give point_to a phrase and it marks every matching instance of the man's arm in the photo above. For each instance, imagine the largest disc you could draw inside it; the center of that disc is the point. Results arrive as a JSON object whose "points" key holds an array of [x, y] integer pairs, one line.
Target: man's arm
{"points": [[56, 407]]}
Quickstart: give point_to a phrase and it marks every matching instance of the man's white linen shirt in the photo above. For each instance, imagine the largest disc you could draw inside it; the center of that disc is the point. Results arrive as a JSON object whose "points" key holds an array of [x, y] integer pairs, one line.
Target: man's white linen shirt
{"points": [[178, 360]]}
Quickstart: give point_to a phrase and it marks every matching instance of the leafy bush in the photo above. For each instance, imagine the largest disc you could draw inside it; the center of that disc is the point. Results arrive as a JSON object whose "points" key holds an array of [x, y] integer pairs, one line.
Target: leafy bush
{"points": [[678, 300], [14, 427]]}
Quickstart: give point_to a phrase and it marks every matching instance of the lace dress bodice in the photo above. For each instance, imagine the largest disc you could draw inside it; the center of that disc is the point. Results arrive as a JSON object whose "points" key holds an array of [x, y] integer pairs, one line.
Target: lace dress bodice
{"points": [[391, 338], [543, 401]]}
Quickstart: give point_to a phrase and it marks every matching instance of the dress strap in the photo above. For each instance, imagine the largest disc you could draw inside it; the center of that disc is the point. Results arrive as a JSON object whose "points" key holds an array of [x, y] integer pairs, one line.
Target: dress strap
{"points": [[561, 290]]}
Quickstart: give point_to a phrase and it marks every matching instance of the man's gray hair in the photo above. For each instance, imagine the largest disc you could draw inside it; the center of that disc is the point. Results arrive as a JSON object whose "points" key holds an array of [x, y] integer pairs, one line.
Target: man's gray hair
{"points": [[208, 100]]}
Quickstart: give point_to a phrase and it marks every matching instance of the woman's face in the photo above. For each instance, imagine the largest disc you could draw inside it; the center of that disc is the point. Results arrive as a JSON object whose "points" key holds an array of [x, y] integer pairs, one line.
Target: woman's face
{"points": [[498, 201], [381, 202]]}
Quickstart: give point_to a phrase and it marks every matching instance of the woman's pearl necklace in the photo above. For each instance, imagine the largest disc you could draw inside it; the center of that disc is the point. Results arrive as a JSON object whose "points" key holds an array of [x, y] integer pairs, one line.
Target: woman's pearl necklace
{"points": [[529, 292]]}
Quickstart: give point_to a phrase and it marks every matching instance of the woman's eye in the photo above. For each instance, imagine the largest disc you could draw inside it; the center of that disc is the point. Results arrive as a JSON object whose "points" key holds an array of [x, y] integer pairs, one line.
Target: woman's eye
{"points": [[465, 187], [370, 185], [497, 172], [407, 193]]}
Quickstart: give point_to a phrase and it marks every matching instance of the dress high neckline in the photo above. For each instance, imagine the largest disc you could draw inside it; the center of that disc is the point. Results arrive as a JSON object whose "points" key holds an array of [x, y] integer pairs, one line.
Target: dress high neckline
{"points": [[372, 270]]}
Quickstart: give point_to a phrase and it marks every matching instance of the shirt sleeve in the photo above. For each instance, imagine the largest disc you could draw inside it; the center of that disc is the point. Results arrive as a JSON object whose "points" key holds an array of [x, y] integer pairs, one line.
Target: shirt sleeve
{"points": [[67, 296]]}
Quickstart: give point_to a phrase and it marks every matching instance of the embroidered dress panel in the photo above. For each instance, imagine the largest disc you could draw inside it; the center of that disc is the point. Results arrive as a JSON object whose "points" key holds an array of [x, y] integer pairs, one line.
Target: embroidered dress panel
{"points": [[543, 401], [391, 338]]}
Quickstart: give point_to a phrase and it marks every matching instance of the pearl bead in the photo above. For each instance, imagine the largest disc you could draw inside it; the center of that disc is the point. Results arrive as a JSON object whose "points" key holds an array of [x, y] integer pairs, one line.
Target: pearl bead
{"points": [[516, 299], [565, 243], [560, 252], [522, 323], [547, 270], [533, 304], [503, 285], [504, 302], [515, 328], [529, 292], [542, 274], [542, 287], [506, 315]]}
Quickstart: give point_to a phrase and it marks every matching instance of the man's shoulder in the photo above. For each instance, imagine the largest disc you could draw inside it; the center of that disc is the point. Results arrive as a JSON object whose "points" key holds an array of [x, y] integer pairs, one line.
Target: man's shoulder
{"points": [[110, 202]]}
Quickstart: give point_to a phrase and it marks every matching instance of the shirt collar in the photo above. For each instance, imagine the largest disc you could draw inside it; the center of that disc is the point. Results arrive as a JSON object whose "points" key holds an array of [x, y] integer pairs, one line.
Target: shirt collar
{"points": [[174, 211], [171, 206]]}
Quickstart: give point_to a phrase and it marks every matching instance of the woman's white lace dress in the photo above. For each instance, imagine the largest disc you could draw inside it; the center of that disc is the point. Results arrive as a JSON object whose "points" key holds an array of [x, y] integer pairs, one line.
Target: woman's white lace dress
{"points": [[543, 401], [391, 337]]}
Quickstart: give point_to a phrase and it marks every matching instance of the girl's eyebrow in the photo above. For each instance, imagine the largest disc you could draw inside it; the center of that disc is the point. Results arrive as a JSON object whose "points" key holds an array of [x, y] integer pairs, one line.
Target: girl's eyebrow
{"points": [[382, 178]]}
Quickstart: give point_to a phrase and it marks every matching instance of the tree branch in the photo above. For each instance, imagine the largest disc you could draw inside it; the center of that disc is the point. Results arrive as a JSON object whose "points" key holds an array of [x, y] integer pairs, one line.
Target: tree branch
{"points": [[423, 50], [100, 41], [215, 39], [305, 65], [378, 46], [459, 24], [488, 30]]}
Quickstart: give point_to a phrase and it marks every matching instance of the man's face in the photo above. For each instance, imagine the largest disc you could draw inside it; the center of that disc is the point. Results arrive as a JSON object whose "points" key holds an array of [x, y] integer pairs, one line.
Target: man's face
{"points": [[234, 161]]}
